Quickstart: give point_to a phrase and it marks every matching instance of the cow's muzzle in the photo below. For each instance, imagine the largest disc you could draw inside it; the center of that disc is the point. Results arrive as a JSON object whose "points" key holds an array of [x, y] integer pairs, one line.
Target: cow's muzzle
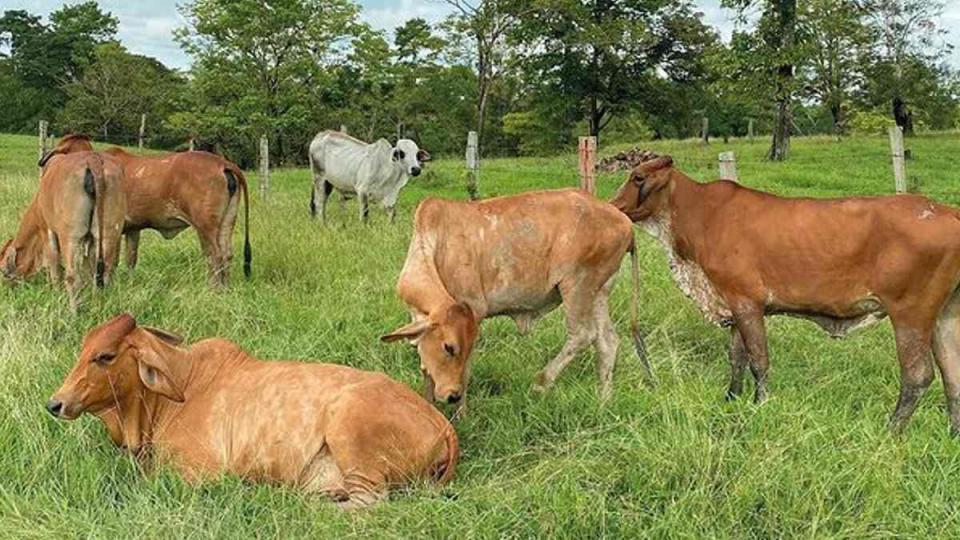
{"points": [[415, 171], [453, 398], [55, 407]]}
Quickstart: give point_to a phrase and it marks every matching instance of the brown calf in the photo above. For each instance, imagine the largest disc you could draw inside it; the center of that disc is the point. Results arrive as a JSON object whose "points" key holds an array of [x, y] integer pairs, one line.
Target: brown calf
{"points": [[77, 216], [172, 192], [518, 256], [842, 263], [211, 408]]}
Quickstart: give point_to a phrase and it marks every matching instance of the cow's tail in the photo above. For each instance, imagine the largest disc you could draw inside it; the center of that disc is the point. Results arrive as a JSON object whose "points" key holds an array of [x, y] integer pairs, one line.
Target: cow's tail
{"points": [[94, 184], [445, 471], [247, 251], [638, 344]]}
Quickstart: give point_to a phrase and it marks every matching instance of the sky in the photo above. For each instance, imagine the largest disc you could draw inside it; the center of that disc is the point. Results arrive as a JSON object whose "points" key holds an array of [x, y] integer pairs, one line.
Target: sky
{"points": [[146, 26]]}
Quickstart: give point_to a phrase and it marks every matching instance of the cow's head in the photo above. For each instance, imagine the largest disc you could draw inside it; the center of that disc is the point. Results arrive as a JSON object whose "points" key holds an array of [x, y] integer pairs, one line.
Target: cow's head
{"points": [[118, 361], [643, 194], [444, 342], [410, 157], [21, 260], [69, 144]]}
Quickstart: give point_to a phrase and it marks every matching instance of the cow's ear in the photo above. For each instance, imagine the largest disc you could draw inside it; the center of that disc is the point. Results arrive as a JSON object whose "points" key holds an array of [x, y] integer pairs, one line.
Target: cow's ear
{"points": [[423, 156], [46, 157], [156, 373], [410, 332], [167, 337]]}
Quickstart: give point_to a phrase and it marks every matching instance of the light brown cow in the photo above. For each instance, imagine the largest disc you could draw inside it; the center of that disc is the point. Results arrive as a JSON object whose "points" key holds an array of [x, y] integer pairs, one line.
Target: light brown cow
{"points": [[172, 192], [741, 254], [212, 409], [77, 215], [519, 256]]}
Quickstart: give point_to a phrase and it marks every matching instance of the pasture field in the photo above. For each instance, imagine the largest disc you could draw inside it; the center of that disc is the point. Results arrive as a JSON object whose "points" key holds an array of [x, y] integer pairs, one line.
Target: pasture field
{"points": [[676, 461]]}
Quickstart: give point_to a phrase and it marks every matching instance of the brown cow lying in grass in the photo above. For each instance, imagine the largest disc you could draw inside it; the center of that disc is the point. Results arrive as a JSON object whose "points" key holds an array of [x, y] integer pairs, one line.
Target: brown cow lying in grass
{"points": [[519, 256], [843, 263], [211, 408], [172, 192], [74, 222]]}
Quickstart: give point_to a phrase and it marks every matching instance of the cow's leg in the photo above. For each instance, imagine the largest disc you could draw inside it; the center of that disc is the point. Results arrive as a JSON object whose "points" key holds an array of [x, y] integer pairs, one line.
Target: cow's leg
{"points": [[73, 259], [738, 362], [111, 252], [946, 351], [606, 343], [581, 331], [914, 350], [364, 206], [133, 248], [392, 212], [52, 254], [225, 238], [754, 334], [211, 252]]}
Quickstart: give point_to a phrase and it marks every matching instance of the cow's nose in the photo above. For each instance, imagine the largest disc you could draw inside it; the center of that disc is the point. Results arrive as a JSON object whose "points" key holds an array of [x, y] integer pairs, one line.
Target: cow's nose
{"points": [[453, 398], [55, 407], [415, 171]]}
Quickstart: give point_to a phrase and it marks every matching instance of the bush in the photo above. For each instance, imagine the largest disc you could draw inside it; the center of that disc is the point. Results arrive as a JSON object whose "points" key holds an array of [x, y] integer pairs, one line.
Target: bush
{"points": [[870, 123]]}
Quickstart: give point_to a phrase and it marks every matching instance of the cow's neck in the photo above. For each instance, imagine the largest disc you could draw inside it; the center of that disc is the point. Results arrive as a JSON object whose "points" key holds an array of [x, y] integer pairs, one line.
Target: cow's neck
{"points": [[421, 286], [686, 227], [140, 420], [29, 241]]}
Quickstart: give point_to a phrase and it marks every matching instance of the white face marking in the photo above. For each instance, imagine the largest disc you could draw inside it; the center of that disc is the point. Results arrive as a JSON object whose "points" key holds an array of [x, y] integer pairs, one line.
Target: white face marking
{"points": [[409, 160]]}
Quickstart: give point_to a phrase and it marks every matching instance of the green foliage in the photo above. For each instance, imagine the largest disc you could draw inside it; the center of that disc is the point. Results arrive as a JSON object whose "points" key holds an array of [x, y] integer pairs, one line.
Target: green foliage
{"points": [[870, 123]]}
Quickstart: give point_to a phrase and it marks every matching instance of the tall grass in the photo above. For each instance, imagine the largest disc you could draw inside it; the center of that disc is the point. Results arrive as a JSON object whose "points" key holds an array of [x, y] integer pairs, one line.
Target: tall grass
{"points": [[675, 461]]}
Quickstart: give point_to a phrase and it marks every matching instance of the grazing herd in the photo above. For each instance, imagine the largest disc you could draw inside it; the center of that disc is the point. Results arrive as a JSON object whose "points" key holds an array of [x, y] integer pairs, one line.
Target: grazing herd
{"points": [[210, 408]]}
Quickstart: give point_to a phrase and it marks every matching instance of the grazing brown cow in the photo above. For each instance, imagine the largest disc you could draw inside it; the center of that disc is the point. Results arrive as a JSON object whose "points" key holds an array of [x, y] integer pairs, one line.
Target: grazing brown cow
{"points": [[210, 409], [172, 192], [78, 211], [741, 254], [519, 256]]}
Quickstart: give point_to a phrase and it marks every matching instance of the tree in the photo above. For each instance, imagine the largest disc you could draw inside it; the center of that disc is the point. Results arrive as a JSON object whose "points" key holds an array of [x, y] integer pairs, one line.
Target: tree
{"points": [[605, 54], [905, 51], [836, 40], [487, 23], [115, 89], [259, 66]]}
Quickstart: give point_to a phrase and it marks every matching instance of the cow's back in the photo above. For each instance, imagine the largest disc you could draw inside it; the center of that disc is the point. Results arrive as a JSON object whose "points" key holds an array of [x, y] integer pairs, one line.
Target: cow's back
{"points": [[508, 253]]}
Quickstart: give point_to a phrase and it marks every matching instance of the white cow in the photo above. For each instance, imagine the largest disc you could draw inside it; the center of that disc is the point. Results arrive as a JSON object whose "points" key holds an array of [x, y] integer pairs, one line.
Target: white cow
{"points": [[375, 171]]}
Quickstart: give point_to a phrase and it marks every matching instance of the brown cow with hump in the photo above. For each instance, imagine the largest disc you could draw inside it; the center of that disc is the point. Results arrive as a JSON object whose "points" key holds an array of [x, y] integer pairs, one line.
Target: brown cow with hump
{"points": [[519, 256], [742, 254], [210, 408], [172, 192]]}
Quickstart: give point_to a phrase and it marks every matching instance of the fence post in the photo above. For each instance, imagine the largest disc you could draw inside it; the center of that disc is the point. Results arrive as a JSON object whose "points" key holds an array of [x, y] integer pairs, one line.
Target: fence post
{"points": [[343, 129], [143, 127], [191, 144], [42, 142], [264, 167], [588, 167], [473, 166], [896, 151], [728, 166], [750, 129], [705, 130]]}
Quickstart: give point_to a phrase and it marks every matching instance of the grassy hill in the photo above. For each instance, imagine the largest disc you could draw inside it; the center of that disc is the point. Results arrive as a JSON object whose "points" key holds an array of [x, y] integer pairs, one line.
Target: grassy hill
{"points": [[676, 461]]}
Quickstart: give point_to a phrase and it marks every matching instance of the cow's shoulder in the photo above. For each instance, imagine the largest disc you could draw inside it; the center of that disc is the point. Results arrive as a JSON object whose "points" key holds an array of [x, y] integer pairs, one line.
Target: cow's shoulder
{"points": [[432, 212]]}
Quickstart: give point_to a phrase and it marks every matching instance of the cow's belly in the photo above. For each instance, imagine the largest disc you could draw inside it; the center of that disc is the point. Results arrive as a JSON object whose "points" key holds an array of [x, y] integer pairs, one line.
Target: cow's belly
{"points": [[524, 305], [838, 321]]}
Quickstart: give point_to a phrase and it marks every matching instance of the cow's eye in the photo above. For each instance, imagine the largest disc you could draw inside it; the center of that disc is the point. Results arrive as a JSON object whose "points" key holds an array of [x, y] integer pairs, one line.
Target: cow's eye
{"points": [[400, 154], [103, 359], [450, 349]]}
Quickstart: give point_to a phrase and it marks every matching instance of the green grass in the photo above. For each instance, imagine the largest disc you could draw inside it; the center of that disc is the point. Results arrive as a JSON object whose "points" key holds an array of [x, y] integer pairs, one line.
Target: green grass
{"points": [[677, 461]]}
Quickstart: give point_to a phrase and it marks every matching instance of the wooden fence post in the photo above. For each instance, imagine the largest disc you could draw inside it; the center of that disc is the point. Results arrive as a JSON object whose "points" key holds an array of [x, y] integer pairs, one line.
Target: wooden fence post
{"points": [[896, 151], [705, 130], [42, 142], [191, 144], [728, 166], [750, 129], [264, 167], [473, 167], [588, 164], [143, 127], [343, 129]]}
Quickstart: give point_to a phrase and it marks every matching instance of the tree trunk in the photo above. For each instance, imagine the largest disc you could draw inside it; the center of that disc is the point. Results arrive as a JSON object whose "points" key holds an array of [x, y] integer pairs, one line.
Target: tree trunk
{"points": [[902, 115], [836, 113], [787, 22]]}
